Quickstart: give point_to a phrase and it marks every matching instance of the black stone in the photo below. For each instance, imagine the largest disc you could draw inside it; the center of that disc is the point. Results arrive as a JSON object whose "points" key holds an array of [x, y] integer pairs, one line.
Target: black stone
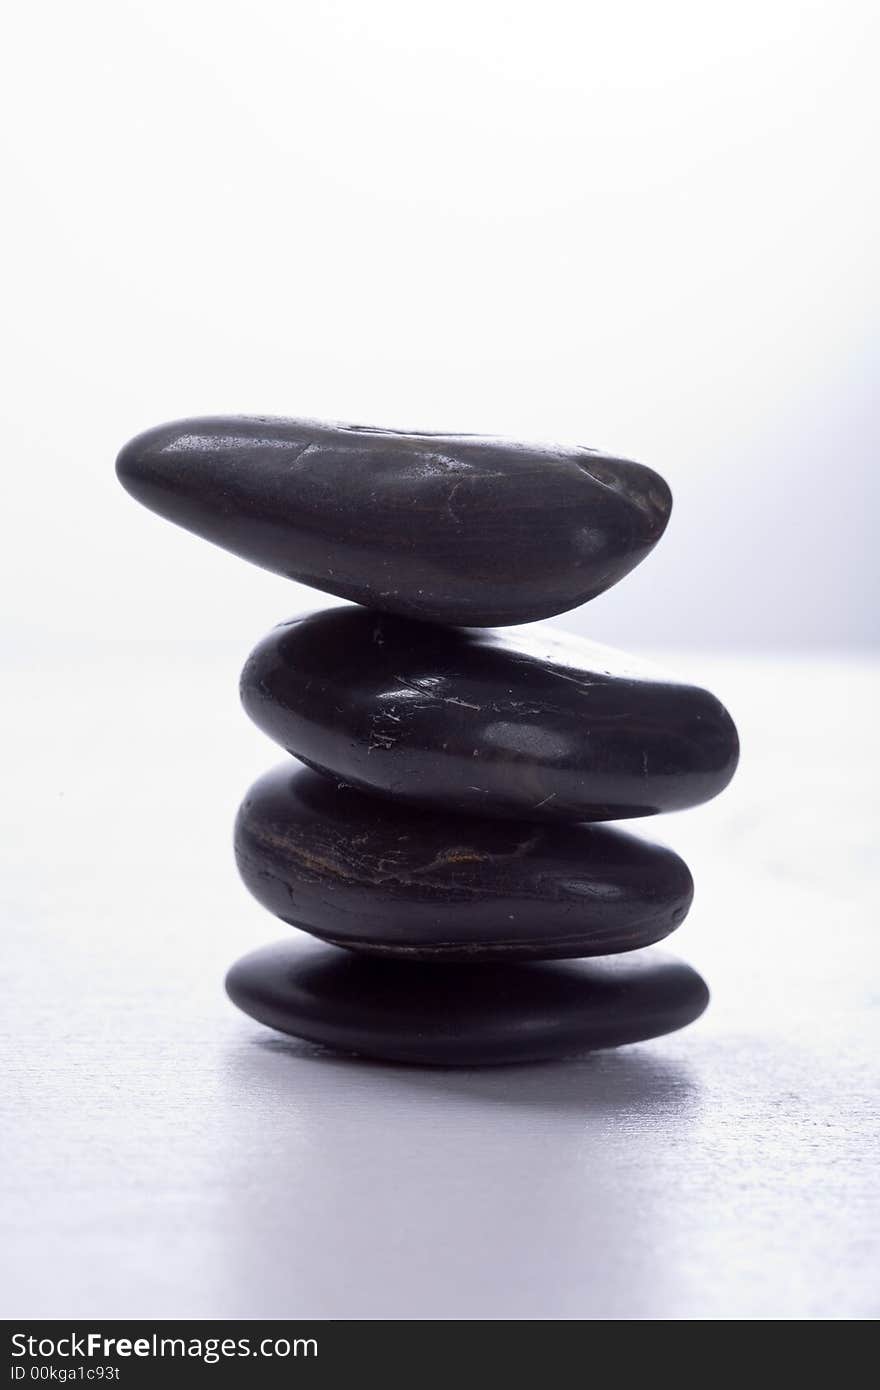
{"points": [[536, 726], [388, 879], [469, 1015], [452, 528]]}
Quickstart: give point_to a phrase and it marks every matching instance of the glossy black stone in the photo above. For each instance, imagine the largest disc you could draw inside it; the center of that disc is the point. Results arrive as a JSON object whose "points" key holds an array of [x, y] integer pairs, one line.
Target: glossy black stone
{"points": [[451, 528], [388, 879], [472, 1015], [536, 726]]}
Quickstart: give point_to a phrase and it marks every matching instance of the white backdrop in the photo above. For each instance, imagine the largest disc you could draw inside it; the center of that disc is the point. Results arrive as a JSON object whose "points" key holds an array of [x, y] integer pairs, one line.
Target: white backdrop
{"points": [[647, 227]]}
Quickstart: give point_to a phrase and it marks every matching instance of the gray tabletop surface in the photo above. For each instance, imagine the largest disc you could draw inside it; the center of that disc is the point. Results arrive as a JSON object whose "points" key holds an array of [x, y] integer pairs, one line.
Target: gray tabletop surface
{"points": [[164, 1156]]}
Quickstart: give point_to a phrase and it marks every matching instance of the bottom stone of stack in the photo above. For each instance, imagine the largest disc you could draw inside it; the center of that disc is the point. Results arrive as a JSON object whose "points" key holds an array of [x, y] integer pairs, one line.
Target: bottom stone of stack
{"points": [[464, 1015]]}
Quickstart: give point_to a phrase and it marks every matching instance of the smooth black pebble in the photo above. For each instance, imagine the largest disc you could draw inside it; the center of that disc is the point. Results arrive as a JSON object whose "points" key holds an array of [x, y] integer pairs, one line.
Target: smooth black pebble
{"points": [[392, 880], [536, 725], [449, 527], [469, 1015]]}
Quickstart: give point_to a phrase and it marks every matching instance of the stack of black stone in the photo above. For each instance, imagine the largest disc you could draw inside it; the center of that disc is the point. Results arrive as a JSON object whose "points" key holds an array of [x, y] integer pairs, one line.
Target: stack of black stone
{"points": [[441, 822]]}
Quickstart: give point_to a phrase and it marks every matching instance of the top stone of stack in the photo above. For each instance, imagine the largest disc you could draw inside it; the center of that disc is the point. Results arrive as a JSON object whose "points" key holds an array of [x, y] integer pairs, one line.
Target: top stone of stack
{"points": [[450, 528]]}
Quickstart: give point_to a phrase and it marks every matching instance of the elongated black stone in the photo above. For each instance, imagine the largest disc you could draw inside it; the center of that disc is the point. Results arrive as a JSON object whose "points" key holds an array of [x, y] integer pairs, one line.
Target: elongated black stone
{"points": [[388, 879], [473, 1015], [536, 726], [452, 528]]}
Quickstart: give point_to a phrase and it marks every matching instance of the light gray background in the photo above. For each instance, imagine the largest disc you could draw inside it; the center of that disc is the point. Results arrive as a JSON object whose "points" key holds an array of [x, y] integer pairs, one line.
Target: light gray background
{"points": [[648, 228]]}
